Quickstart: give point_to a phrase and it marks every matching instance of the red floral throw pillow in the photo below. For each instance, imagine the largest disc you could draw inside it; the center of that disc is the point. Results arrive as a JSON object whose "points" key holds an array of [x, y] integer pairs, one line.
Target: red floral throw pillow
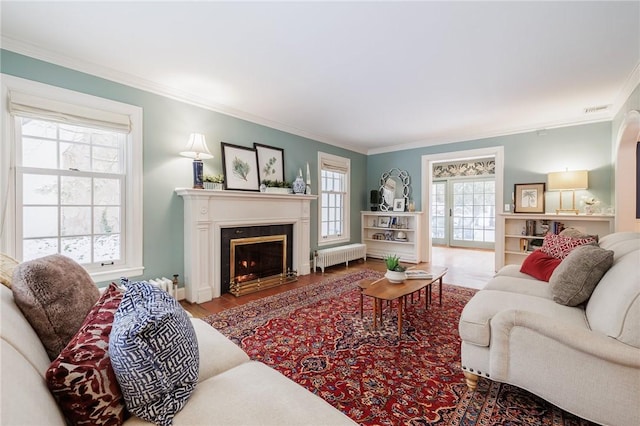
{"points": [[81, 377], [560, 246], [539, 265]]}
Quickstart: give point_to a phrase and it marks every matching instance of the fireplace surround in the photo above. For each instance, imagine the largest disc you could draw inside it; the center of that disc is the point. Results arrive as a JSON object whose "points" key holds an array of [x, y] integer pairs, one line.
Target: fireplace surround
{"points": [[207, 212]]}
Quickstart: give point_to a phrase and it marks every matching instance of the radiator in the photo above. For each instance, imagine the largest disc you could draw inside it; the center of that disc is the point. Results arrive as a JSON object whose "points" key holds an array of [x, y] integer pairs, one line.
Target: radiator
{"points": [[167, 285], [335, 255]]}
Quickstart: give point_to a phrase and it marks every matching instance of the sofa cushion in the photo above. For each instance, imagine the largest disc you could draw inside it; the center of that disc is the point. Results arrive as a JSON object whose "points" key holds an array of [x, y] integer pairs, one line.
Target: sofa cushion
{"points": [[7, 265], [154, 353], [539, 265], [512, 271], [81, 377], [528, 286], [25, 398], [55, 294], [475, 321], [614, 306], [559, 246], [578, 274]]}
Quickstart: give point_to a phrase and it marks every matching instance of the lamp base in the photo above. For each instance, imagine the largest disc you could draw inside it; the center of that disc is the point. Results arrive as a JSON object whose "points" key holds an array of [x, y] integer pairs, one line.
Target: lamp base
{"points": [[567, 211], [197, 174]]}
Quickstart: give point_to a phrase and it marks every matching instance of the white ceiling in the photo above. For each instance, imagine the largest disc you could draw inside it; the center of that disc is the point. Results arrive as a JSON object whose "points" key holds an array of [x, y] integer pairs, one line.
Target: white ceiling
{"points": [[369, 76]]}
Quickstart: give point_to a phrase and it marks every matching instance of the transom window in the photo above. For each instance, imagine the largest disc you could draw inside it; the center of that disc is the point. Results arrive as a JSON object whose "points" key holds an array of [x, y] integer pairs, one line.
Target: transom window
{"points": [[334, 199]]}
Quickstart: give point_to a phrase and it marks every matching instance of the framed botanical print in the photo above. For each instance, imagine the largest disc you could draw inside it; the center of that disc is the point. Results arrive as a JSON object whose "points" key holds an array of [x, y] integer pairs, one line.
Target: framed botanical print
{"points": [[529, 198], [240, 166], [270, 162]]}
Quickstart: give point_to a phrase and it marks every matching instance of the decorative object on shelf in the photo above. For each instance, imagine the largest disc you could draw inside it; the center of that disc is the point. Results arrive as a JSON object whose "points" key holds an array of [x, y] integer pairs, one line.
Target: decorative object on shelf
{"points": [[298, 185], [529, 198], [568, 181], [412, 206], [308, 187], [214, 182], [395, 271], [401, 236], [270, 162], [197, 149], [240, 166], [384, 221], [394, 184], [398, 204], [590, 205], [374, 199]]}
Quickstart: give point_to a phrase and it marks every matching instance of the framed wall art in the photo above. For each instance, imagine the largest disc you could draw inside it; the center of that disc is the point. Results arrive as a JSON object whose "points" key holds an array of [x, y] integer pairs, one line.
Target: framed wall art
{"points": [[384, 221], [270, 162], [529, 198], [240, 166], [398, 204]]}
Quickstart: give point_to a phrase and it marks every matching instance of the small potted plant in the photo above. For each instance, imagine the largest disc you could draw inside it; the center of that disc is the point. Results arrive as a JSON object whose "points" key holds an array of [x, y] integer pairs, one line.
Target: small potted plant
{"points": [[277, 186], [395, 271], [213, 182]]}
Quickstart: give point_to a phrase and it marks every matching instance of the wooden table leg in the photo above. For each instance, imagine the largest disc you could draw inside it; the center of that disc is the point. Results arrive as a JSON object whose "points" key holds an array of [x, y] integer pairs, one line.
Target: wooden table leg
{"points": [[440, 283], [375, 313], [361, 302], [400, 303]]}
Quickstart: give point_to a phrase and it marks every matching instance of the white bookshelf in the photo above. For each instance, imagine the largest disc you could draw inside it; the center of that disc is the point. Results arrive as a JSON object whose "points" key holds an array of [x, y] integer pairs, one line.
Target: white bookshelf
{"points": [[382, 239]]}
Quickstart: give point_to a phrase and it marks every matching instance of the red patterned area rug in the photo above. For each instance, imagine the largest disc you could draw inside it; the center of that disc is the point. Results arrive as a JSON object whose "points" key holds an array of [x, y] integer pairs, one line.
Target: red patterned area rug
{"points": [[315, 336]]}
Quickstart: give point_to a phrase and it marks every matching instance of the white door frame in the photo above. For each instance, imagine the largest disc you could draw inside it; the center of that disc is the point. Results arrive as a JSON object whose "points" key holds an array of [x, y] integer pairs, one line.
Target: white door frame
{"points": [[427, 179]]}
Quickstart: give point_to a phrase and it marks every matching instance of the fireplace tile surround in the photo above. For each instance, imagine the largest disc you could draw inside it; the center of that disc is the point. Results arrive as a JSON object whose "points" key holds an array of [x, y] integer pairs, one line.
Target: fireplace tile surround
{"points": [[207, 212]]}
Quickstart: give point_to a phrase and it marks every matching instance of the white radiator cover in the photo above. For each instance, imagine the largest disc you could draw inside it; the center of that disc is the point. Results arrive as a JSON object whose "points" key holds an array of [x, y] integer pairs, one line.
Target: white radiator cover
{"points": [[206, 212], [340, 254]]}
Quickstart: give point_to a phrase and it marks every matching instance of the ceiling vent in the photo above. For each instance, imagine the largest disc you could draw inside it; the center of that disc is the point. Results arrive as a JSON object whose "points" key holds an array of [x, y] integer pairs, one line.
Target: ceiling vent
{"points": [[596, 109]]}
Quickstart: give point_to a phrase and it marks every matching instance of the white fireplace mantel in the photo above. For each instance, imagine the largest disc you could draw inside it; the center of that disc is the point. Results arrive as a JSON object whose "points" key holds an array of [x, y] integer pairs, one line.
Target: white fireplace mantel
{"points": [[206, 212]]}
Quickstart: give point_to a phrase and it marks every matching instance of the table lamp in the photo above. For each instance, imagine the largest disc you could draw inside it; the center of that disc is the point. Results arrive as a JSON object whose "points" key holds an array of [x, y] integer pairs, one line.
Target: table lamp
{"points": [[568, 181], [197, 149]]}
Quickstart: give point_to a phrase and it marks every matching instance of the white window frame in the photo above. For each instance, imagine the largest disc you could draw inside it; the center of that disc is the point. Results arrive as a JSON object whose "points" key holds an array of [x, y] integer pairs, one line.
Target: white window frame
{"points": [[10, 220], [343, 163]]}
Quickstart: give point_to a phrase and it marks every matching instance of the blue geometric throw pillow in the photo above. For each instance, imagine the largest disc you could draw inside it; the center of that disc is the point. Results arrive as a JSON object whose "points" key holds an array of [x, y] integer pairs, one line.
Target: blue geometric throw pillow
{"points": [[154, 353]]}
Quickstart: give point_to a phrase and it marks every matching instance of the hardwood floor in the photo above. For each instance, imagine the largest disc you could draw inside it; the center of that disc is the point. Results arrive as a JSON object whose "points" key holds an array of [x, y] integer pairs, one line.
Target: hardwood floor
{"points": [[467, 268]]}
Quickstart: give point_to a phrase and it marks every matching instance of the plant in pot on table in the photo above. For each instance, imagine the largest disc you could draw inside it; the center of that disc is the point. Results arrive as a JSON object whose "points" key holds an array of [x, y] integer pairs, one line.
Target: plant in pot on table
{"points": [[395, 271]]}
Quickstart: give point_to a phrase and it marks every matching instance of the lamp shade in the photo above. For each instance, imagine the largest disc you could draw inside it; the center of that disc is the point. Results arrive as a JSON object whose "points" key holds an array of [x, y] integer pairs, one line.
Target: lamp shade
{"points": [[567, 181], [196, 147]]}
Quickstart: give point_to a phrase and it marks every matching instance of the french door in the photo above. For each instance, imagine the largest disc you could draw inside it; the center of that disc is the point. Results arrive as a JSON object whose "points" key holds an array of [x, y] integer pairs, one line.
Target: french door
{"points": [[463, 212]]}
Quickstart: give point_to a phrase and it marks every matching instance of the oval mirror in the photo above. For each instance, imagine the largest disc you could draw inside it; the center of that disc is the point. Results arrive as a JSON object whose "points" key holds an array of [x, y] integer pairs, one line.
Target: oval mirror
{"points": [[394, 185]]}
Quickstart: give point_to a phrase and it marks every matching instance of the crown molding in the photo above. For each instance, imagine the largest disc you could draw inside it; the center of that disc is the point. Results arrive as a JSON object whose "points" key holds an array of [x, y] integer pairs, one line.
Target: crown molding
{"points": [[628, 87], [146, 85]]}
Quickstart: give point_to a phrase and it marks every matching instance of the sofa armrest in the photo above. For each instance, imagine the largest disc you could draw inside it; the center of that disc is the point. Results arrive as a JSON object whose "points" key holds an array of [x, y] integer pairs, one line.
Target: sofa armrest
{"points": [[583, 340]]}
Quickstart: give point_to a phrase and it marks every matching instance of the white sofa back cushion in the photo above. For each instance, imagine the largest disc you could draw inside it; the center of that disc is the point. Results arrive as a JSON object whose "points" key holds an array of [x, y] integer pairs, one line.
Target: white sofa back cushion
{"points": [[614, 306]]}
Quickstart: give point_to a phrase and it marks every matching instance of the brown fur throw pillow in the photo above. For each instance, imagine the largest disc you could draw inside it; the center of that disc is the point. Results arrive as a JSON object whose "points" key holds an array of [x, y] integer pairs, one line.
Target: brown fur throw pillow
{"points": [[55, 294]]}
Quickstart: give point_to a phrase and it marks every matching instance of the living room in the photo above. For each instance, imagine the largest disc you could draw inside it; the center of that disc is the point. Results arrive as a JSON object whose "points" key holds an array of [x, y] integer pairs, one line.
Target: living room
{"points": [[528, 151]]}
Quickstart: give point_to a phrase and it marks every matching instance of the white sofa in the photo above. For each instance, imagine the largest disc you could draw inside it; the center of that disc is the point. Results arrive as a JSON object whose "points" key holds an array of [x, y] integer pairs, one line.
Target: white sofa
{"points": [[584, 359], [231, 390]]}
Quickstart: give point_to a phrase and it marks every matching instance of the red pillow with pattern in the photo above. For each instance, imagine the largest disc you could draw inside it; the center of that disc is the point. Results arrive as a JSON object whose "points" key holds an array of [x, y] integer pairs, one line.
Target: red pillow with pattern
{"points": [[81, 377], [539, 265], [560, 246]]}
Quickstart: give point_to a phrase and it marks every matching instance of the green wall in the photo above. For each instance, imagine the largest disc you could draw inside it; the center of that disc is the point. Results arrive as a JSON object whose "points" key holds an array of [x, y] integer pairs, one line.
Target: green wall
{"points": [[528, 157], [167, 125]]}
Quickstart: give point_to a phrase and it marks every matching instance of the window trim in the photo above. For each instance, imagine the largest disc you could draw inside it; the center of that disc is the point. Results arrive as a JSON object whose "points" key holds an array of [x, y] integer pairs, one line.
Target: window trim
{"points": [[9, 219], [340, 162]]}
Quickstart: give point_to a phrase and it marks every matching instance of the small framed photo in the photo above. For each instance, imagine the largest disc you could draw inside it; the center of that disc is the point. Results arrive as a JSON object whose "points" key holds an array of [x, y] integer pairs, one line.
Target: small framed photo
{"points": [[240, 166], [384, 221], [529, 198], [270, 162], [398, 205]]}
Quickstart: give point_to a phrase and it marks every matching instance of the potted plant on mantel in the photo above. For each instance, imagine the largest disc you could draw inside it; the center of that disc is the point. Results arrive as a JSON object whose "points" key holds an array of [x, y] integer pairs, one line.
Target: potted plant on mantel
{"points": [[395, 271], [213, 182], [276, 186]]}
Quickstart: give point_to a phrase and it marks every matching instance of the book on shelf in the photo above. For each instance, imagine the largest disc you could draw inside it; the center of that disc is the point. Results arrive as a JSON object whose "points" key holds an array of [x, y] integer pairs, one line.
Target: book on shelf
{"points": [[417, 274]]}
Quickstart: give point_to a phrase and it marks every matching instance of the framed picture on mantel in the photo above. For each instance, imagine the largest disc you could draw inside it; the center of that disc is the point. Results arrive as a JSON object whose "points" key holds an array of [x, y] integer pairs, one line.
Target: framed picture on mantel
{"points": [[529, 198], [240, 166]]}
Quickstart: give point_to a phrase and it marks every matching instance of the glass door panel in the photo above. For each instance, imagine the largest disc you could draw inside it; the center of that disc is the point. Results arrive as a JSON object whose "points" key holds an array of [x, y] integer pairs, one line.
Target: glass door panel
{"points": [[439, 216]]}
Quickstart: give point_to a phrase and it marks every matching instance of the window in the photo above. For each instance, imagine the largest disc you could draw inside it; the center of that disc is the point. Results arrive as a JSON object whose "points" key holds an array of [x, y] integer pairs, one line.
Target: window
{"points": [[333, 205], [75, 162]]}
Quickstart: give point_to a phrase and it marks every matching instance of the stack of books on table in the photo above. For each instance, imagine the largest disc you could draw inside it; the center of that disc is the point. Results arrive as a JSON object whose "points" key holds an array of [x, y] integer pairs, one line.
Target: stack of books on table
{"points": [[418, 274]]}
